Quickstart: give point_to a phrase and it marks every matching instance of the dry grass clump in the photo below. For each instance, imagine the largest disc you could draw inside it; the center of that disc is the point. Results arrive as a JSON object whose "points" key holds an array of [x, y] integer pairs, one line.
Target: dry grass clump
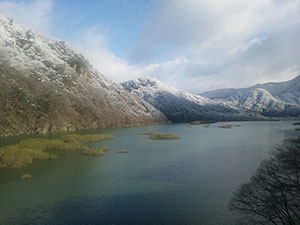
{"points": [[228, 126], [14, 156], [199, 122], [87, 138], [26, 176], [162, 136], [196, 123], [95, 151], [297, 129], [32, 149]]}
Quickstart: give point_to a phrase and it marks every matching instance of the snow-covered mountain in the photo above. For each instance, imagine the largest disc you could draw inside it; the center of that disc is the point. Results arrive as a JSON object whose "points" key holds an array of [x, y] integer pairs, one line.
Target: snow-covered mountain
{"points": [[45, 86], [271, 99], [288, 91], [181, 106]]}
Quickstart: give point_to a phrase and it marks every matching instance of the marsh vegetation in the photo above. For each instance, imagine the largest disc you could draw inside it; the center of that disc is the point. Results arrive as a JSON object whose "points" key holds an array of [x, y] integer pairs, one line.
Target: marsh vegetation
{"points": [[226, 126], [95, 151], [26, 176], [33, 149], [229, 126], [162, 136], [196, 123], [200, 122]]}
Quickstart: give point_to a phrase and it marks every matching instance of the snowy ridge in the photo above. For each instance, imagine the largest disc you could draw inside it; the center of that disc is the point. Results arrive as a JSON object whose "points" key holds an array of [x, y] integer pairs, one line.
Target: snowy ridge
{"points": [[152, 88], [271, 99], [181, 106], [36, 55], [45, 86], [288, 91]]}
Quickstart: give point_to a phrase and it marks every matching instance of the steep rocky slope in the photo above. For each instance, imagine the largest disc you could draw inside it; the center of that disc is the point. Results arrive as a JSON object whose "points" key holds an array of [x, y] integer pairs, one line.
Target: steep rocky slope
{"points": [[47, 87], [181, 106]]}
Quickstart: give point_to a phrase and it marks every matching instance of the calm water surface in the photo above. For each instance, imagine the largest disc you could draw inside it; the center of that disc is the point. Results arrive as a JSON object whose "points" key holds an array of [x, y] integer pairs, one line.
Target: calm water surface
{"points": [[178, 182]]}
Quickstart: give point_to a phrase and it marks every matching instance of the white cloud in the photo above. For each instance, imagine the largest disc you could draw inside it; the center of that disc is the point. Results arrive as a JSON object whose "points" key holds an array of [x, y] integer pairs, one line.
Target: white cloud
{"points": [[35, 14], [92, 43], [227, 43], [197, 45]]}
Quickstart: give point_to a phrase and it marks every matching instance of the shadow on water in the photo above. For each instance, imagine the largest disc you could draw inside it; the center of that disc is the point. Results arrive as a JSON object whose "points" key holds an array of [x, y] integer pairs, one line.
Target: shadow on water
{"points": [[193, 197], [154, 208]]}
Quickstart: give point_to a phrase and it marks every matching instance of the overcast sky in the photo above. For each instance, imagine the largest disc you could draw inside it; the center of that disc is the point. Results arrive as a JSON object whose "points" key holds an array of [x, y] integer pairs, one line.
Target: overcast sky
{"points": [[196, 45]]}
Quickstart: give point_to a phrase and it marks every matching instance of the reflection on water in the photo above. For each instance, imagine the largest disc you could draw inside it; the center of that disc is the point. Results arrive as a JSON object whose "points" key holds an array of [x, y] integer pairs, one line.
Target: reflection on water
{"points": [[186, 181]]}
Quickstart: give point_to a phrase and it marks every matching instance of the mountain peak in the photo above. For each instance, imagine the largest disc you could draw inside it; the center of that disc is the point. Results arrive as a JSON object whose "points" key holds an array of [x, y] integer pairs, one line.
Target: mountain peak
{"points": [[179, 105], [148, 81]]}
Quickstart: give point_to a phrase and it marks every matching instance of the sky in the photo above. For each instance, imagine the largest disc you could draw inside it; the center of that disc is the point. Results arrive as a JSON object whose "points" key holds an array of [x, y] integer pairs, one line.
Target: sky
{"points": [[195, 45]]}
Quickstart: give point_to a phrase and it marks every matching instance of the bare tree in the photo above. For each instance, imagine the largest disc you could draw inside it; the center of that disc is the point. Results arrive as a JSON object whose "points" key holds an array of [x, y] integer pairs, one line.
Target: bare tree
{"points": [[273, 194]]}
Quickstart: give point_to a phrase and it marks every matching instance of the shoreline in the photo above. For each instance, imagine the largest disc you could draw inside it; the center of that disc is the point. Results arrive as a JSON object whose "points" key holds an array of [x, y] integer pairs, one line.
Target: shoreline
{"points": [[28, 135]]}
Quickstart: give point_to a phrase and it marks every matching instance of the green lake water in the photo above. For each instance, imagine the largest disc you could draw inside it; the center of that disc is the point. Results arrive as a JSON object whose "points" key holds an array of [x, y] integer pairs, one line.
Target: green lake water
{"points": [[177, 182]]}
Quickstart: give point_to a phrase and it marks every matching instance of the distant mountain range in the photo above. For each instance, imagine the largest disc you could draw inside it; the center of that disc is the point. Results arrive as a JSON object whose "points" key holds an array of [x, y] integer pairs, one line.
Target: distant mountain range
{"points": [[227, 104], [270, 99], [47, 87]]}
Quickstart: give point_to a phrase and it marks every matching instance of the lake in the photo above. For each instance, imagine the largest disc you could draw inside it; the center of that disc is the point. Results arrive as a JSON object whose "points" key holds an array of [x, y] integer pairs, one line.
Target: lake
{"points": [[178, 182]]}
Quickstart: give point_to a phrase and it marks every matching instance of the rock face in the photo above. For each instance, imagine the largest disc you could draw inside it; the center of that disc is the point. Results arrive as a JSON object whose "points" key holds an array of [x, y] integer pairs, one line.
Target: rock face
{"points": [[181, 106], [47, 87], [271, 99]]}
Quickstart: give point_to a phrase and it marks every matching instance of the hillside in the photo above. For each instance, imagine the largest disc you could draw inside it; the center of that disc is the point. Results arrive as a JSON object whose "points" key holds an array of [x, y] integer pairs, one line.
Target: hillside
{"points": [[288, 91], [270, 99], [181, 106], [45, 86]]}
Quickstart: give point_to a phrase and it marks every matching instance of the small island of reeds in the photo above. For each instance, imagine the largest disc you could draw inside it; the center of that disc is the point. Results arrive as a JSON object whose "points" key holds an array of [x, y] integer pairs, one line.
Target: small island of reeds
{"points": [[229, 126], [200, 122], [196, 123], [297, 123], [162, 136], [33, 149], [26, 176], [95, 151]]}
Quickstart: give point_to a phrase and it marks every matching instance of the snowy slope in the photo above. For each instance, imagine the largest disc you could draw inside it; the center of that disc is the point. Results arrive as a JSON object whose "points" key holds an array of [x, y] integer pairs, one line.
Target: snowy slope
{"points": [[181, 106], [271, 99], [288, 91], [45, 86]]}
